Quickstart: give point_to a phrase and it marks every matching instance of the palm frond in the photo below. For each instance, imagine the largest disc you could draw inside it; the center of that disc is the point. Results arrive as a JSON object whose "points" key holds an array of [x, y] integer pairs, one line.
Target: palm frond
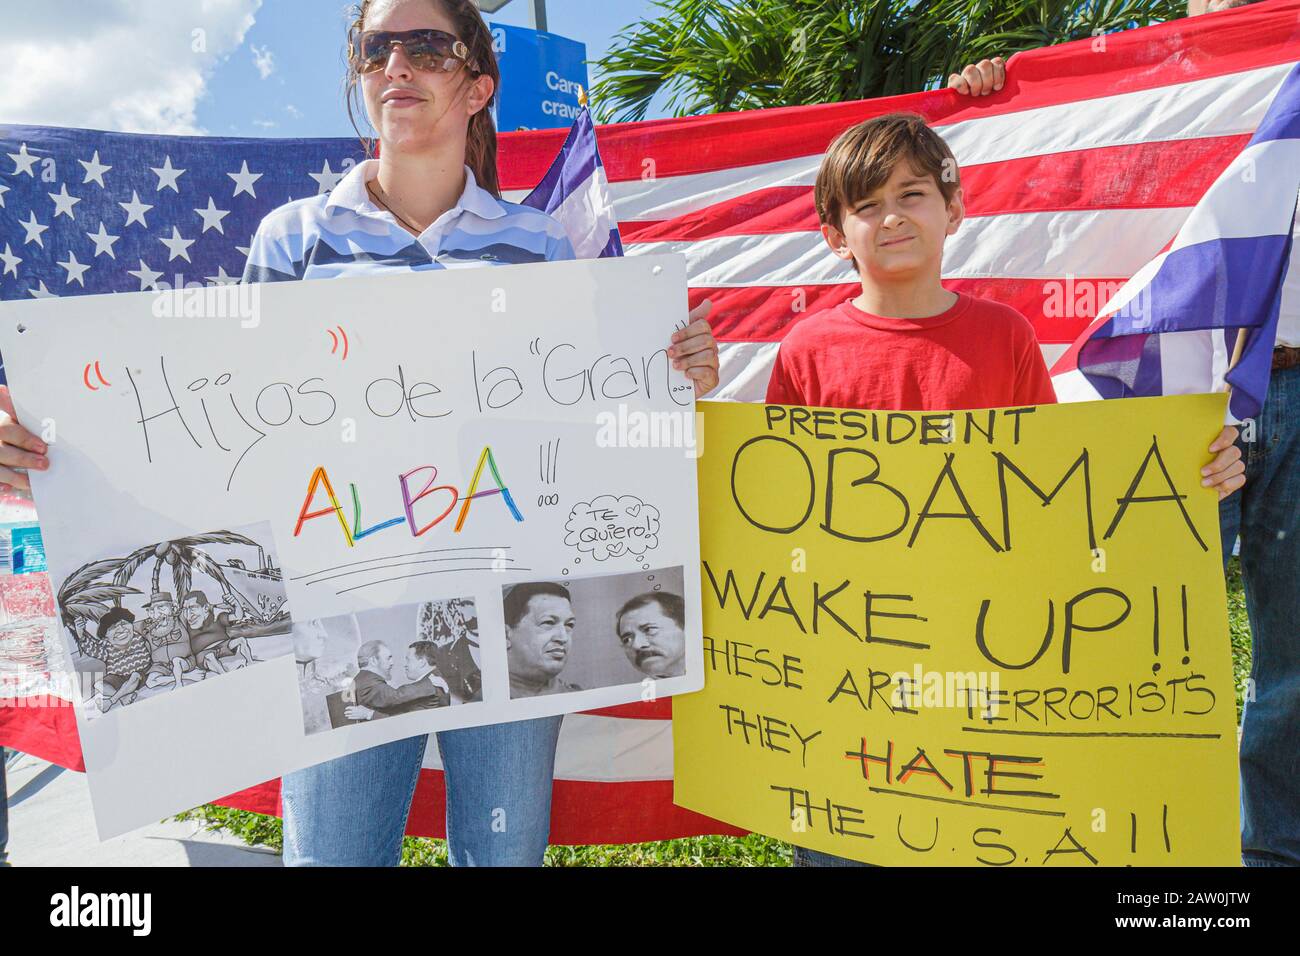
{"points": [[205, 563], [132, 563], [215, 537], [88, 573], [702, 56]]}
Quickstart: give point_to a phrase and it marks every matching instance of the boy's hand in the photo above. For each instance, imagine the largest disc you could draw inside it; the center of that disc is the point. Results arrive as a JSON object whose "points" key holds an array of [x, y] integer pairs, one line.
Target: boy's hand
{"points": [[695, 351], [1227, 472], [980, 79]]}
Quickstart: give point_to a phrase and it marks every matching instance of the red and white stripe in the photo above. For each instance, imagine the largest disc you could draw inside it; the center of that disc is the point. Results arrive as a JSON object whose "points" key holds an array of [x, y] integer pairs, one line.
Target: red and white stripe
{"points": [[1076, 174]]}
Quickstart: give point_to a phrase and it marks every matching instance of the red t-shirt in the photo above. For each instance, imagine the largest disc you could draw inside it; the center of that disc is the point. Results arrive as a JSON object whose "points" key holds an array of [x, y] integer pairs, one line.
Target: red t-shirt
{"points": [[978, 354]]}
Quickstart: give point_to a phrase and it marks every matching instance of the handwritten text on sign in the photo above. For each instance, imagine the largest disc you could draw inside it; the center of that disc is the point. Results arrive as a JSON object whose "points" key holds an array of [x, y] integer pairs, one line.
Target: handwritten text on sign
{"points": [[367, 509], [994, 637]]}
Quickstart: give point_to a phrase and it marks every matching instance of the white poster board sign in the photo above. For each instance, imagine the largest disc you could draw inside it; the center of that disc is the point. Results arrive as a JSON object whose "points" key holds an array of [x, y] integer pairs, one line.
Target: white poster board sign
{"points": [[290, 521]]}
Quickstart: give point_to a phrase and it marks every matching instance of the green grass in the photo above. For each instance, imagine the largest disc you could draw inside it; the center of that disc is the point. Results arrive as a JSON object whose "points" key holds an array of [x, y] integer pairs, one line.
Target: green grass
{"points": [[752, 850], [1239, 630], [259, 830]]}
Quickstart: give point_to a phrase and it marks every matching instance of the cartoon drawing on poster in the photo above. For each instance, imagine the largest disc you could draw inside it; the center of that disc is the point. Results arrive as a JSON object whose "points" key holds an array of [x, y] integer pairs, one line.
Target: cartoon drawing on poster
{"points": [[361, 667], [580, 633], [222, 607], [610, 527]]}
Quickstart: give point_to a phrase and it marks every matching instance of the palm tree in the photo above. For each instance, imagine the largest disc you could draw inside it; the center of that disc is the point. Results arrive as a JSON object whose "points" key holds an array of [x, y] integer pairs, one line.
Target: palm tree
{"points": [[185, 555], [708, 56]]}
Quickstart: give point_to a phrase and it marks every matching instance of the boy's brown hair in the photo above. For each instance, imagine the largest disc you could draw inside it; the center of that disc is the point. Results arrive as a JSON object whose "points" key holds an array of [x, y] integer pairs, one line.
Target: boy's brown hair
{"points": [[863, 157]]}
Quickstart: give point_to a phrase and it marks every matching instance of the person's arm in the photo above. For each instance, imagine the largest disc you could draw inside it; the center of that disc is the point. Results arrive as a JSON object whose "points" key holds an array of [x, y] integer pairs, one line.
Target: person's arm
{"points": [[378, 695], [980, 79], [233, 610], [92, 646], [19, 448]]}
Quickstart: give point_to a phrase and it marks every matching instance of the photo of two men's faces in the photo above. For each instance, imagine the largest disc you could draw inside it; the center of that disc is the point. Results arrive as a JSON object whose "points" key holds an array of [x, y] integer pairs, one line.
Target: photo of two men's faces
{"points": [[576, 634], [561, 636]]}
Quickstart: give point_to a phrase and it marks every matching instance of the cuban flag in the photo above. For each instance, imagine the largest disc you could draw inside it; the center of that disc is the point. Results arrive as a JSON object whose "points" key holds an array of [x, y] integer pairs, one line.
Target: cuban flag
{"points": [[575, 191], [1174, 327]]}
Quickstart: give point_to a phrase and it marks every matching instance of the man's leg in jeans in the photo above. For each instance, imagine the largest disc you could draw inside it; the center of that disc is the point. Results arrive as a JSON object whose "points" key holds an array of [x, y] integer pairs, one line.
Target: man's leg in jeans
{"points": [[803, 857], [1230, 519], [4, 812], [1270, 559], [351, 811], [499, 791]]}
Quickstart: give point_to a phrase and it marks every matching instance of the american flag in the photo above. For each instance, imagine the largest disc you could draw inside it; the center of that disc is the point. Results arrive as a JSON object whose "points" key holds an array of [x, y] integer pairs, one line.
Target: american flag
{"points": [[87, 212], [1077, 174]]}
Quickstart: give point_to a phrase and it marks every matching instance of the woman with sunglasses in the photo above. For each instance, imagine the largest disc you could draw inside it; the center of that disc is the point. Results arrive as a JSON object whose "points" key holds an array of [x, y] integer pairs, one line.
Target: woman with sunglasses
{"points": [[426, 74]]}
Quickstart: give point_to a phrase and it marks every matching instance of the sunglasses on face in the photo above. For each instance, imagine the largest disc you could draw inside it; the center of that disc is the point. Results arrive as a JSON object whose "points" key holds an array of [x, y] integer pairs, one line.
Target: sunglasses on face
{"points": [[426, 49]]}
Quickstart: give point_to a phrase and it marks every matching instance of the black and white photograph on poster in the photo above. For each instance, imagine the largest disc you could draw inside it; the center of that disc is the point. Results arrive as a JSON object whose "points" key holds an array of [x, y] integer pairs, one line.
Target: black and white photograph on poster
{"points": [[172, 613], [576, 634], [362, 667]]}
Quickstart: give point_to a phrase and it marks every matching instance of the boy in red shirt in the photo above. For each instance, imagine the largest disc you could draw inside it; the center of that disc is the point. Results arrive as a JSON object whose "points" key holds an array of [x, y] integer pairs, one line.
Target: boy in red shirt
{"points": [[888, 194]]}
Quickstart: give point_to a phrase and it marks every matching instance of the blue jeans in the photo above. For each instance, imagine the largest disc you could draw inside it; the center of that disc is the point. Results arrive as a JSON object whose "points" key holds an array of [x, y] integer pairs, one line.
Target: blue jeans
{"points": [[1266, 512], [4, 811], [806, 857], [352, 811]]}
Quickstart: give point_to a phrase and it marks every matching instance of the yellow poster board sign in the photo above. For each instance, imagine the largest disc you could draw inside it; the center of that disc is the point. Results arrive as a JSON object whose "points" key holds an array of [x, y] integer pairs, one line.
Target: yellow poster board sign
{"points": [[994, 637]]}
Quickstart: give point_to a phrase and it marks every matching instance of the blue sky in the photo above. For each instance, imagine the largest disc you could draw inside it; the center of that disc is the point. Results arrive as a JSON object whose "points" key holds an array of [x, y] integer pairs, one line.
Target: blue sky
{"points": [[302, 94]]}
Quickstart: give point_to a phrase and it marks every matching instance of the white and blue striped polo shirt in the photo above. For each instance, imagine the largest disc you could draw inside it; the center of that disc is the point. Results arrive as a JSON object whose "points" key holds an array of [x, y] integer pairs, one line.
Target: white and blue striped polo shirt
{"points": [[345, 233]]}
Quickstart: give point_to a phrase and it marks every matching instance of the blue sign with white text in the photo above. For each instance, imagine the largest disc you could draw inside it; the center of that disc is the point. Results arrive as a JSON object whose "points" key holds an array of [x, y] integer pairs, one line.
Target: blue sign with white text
{"points": [[540, 77]]}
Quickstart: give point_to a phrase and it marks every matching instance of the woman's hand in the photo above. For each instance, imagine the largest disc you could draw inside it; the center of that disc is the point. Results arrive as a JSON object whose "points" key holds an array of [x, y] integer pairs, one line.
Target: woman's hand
{"points": [[1227, 472], [19, 448], [694, 350]]}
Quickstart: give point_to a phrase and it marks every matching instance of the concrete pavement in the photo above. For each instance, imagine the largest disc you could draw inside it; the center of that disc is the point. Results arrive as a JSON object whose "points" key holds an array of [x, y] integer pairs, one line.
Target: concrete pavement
{"points": [[50, 824]]}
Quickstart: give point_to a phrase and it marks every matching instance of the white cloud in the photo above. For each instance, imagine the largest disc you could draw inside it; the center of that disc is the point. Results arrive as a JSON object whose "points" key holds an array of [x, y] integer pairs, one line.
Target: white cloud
{"points": [[293, 111], [263, 59], [138, 66]]}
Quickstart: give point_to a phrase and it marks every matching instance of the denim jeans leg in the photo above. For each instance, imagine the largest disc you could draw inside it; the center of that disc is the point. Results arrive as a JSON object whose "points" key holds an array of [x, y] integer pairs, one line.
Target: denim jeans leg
{"points": [[351, 811], [4, 811], [1270, 552], [806, 857], [499, 791], [1230, 520]]}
